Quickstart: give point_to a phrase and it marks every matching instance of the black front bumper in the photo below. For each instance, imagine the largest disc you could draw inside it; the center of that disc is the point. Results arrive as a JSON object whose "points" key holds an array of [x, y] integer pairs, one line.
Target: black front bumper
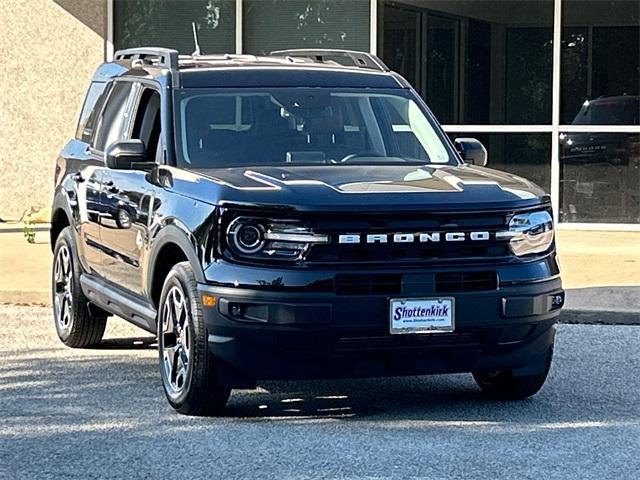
{"points": [[289, 333]]}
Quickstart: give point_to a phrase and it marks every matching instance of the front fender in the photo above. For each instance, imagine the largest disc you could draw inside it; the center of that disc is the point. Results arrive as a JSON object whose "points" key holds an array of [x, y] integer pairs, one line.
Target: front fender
{"points": [[175, 234]]}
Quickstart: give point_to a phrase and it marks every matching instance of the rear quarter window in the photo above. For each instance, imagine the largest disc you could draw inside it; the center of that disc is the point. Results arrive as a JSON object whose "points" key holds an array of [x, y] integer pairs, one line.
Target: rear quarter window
{"points": [[90, 110]]}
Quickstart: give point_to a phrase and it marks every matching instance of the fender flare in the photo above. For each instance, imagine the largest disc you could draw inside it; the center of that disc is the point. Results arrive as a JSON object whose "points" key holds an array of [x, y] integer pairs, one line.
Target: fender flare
{"points": [[178, 236], [61, 204]]}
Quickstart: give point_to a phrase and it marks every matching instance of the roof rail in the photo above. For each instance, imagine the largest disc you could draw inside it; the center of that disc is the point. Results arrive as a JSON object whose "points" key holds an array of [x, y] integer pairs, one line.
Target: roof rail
{"points": [[161, 57], [359, 59], [218, 57]]}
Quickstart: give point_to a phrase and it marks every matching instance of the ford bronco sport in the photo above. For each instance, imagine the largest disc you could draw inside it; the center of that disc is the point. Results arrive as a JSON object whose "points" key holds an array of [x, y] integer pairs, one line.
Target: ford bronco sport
{"points": [[295, 215]]}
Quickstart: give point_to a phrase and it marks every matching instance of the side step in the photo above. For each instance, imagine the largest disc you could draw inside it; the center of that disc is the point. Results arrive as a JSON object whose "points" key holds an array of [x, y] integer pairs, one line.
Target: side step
{"points": [[113, 300]]}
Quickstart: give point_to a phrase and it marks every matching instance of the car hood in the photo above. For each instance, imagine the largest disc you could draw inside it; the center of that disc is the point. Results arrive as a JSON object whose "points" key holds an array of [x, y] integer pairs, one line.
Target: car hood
{"points": [[361, 187]]}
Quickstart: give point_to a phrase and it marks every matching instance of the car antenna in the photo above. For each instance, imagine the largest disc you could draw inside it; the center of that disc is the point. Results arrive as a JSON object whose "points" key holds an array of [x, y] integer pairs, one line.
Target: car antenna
{"points": [[196, 52]]}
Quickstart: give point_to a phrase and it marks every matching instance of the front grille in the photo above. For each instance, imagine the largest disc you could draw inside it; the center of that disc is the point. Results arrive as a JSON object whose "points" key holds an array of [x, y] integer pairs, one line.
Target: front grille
{"points": [[415, 342], [415, 252], [367, 284], [391, 284], [448, 282]]}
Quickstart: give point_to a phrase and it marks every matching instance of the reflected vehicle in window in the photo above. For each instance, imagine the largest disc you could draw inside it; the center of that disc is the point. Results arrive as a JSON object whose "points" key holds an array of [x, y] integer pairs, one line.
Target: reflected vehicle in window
{"points": [[620, 110], [600, 177], [616, 148], [295, 216]]}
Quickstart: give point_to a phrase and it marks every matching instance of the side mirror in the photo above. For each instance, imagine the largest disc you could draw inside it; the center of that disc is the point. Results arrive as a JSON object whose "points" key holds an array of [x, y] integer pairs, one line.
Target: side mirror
{"points": [[471, 151], [123, 154]]}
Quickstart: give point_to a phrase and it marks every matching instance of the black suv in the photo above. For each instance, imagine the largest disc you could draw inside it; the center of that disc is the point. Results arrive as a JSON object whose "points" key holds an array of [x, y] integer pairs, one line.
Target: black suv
{"points": [[296, 215]]}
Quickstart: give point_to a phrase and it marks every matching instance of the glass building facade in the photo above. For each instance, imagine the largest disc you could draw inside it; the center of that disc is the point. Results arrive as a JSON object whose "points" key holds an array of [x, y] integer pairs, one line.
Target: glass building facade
{"points": [[551, 87]]}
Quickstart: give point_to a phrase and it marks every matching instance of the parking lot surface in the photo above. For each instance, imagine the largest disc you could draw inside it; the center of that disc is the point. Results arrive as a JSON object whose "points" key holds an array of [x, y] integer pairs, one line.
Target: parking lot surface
{"points": [[101, 413]]}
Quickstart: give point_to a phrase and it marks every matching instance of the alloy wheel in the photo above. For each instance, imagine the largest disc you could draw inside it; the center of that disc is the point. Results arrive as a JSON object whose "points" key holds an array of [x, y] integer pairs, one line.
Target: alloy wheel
{"points": [[63, 278], [176, 341]]}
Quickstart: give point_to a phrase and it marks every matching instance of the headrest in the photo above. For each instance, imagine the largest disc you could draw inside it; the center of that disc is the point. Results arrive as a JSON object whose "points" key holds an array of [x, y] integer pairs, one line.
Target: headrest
{"points": [[321, 126]]}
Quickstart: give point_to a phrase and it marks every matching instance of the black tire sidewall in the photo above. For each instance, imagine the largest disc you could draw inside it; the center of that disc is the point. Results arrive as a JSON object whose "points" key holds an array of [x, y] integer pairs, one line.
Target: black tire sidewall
{"points": [[203, 393], [509, 387]]}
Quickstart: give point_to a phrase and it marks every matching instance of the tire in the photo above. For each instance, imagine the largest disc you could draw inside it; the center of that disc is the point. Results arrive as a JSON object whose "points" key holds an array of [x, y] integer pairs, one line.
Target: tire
{"points": [[504, 385], [74, 324], [194, 388]]}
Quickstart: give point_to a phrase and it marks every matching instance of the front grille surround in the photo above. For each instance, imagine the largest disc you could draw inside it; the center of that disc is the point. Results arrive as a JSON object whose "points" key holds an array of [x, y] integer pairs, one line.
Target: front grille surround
{"points": [[411, 253], [345, 256]]}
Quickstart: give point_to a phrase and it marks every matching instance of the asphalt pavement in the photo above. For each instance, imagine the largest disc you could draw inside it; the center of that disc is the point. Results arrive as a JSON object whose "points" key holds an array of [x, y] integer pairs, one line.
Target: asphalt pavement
{"points": [[101, 413]]}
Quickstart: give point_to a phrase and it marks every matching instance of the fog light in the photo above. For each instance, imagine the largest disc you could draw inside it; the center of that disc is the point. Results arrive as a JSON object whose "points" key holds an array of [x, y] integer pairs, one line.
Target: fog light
{"points": [[235, 310], [557, 300]]}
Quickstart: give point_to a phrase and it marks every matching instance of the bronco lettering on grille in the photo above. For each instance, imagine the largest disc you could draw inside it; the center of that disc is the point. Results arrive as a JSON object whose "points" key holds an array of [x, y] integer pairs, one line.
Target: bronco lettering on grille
{"points": [[423, 237]]}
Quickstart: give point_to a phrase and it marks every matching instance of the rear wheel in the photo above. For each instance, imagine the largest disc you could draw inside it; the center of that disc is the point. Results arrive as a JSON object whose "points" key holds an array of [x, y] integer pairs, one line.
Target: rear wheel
{"points": [[75, 325], [503, 384], [189, 371]]}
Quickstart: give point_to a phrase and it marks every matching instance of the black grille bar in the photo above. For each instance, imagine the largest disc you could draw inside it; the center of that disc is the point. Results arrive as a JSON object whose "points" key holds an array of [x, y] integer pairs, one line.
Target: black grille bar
{"points": [[417, 342], [450, 282]]}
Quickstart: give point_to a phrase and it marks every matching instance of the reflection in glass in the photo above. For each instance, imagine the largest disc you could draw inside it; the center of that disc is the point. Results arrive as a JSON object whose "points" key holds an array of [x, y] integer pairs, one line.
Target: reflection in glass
{"points": [[402, 41], [600, 177], [525, 154], [600, 62], [474, 62], [442, 64], [279, 24], [167, 23]]}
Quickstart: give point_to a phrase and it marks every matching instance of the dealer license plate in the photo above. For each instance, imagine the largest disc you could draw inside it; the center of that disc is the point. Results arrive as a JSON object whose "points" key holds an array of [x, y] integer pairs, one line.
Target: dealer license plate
{"points": [[421, 315]]}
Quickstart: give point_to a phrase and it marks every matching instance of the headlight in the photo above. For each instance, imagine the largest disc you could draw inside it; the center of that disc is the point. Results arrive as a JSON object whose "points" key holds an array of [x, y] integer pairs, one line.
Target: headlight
{"points": [[529, 232], [246, 237], [270, 239]]}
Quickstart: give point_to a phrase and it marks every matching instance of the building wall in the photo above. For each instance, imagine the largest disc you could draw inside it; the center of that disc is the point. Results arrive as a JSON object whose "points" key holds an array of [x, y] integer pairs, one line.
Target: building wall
{"points": [[49, 51]]}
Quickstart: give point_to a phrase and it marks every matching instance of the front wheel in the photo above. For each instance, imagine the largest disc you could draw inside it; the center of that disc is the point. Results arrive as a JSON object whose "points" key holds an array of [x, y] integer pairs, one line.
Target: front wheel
{"points": [[503, 384], [189, 372]]}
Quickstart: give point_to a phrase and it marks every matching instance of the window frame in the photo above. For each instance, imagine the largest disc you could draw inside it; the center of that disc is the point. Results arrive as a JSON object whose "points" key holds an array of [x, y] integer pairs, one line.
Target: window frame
{"points": [[111, 84], [83, 132], [135, 105]]}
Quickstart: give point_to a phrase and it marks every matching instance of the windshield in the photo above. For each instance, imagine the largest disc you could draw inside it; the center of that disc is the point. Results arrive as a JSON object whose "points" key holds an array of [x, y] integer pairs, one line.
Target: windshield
{"points": [[271, 127]]}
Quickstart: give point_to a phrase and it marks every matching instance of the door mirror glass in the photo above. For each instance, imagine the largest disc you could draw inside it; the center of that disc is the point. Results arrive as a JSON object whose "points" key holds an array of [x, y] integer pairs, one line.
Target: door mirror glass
{"points": [[126, 155], [472, 151]]}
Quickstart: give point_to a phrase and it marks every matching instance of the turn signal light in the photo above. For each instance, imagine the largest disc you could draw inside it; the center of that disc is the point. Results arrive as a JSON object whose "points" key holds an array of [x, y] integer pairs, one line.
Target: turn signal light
{"points": [[208, 300]]}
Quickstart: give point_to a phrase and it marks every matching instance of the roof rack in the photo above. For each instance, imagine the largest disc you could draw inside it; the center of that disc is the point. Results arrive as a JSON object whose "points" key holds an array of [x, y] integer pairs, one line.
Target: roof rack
{"points": [[158, 57], [359, 59]]}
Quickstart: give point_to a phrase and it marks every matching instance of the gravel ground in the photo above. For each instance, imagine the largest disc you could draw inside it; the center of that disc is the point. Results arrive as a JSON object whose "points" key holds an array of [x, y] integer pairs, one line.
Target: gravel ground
{"points": [[101, 414]]}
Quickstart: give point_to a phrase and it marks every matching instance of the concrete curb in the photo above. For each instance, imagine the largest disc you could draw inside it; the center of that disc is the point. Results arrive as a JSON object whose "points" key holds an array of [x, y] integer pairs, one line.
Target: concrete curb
{"points": [[18, 227], [599, 317], [602, 306], [38, 299]]}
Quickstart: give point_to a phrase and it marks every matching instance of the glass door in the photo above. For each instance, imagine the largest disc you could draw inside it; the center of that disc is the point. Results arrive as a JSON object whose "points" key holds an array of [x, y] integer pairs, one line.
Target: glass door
{"points": [[402, 45], [442, 47]]}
